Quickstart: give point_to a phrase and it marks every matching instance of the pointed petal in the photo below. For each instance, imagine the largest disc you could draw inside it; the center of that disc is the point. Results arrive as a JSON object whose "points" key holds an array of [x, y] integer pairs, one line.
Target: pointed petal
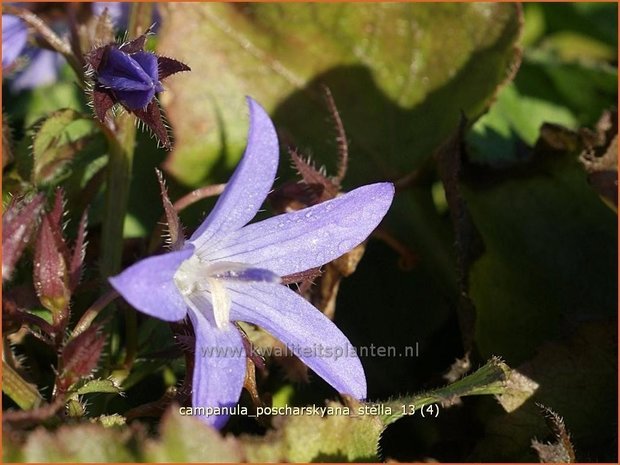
{"points": [[119, 71], [168, 67], [304, 329], [148, 62], [250, 183], [219, 367], [149, 287], [307, 238], [135, 99], [102, 102], [152, 118]]}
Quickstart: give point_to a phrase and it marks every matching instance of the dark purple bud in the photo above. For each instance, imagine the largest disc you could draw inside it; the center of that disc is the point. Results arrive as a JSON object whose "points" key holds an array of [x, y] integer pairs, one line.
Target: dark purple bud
{"points": [[130, 76], [50, 272], [18, 224], [57, 269]]}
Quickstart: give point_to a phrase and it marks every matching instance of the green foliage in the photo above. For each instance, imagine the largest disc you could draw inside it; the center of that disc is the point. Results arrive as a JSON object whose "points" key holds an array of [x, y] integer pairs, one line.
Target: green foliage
{"points": [[186, 439], [84, 443], [399, 77], [351, 437]]}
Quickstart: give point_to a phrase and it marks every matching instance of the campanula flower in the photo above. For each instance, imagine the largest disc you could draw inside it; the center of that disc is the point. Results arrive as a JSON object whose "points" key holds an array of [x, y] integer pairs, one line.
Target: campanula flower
{"points": [[42, 69], [230, 271], [41, 66], [14, 37], [130, 76]]}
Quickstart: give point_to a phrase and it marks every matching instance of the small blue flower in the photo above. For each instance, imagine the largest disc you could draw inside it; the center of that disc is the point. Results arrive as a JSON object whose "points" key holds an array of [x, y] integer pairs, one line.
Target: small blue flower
{"points": [[130, 76], [230, 271]]}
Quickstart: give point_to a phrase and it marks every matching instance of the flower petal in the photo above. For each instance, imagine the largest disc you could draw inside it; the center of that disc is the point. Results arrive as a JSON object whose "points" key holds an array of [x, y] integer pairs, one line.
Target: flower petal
{"points": [[149, 286], [304, 329], [250, 183], [307, 238], [148, 62], [219, 367], [119, 71], [14, 37], [135, 99], [42, 69]]}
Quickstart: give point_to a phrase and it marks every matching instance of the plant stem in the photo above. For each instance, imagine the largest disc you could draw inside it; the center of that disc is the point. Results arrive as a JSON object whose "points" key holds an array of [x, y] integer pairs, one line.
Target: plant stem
{"points": [[23, 393], [121, 141], [89, 315]]}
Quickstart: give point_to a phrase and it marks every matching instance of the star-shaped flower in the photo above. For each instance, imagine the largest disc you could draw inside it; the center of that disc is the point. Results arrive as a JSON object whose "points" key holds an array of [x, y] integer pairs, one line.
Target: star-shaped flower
{"points": [[130, 76], [230, 271]]}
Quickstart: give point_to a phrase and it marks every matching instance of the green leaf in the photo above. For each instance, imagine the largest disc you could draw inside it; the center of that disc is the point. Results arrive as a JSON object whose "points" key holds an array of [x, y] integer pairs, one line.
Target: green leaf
{"points": [[99, 385], [576, 375], [353, 435], [80, 443], [24, 394], [56, 142], [550, 248], [399, 79], [312, 438], [489, 379], [187, 439]]}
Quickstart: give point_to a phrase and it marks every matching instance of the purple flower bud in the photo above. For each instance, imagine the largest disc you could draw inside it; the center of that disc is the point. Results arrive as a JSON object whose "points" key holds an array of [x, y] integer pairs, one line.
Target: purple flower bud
{"points": [[133, 78], [130, 76]]}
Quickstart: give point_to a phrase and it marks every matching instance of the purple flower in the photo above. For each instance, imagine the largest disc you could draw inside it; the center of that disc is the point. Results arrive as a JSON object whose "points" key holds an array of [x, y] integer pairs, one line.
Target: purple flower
{"points": [[230, 271], [133, 78], [130, 76], [43, 68], [14, 37]]}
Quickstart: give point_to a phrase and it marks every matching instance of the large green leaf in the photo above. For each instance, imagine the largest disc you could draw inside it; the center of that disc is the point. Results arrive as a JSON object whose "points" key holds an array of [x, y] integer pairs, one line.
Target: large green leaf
{"points": [[550, 248], [576, 376], [400, 74]]}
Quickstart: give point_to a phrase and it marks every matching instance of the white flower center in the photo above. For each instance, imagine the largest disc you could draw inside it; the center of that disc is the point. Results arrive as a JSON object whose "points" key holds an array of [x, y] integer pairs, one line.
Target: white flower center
{"points": [[197, 279]]}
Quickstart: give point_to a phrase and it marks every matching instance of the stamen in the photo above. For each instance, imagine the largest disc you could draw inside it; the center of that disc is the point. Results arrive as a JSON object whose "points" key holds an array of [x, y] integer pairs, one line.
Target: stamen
{"points": [[221, 302], [209, 279]]}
